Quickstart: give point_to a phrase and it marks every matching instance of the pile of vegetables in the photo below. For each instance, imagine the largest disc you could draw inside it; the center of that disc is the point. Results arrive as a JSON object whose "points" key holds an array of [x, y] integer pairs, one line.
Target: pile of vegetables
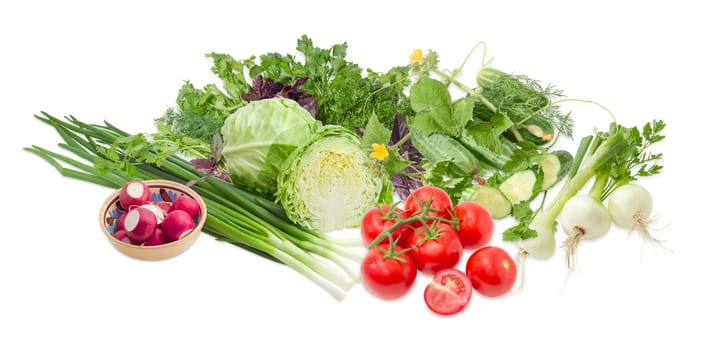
{"points": [[293, 147]]}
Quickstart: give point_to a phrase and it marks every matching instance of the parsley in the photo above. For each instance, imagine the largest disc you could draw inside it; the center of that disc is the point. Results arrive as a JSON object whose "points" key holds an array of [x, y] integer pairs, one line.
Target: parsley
{"points": [[638, 160], [347, 95]]}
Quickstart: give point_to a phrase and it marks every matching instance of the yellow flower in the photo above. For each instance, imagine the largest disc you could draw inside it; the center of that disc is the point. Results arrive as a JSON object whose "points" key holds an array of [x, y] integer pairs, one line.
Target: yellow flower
{"points": [[380, 151], [416, 56]]}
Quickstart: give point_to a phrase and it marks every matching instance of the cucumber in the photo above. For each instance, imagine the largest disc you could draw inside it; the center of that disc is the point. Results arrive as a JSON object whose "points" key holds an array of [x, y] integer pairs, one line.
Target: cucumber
{"points": [[521, 186], [493, 200], [443, 148], [554, 167], [537, 130]]}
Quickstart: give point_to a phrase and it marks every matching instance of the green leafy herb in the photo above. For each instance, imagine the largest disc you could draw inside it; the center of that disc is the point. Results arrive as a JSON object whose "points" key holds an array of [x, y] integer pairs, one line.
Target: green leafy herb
{"points": [[347, 95], [521, 98], [638, 160]]}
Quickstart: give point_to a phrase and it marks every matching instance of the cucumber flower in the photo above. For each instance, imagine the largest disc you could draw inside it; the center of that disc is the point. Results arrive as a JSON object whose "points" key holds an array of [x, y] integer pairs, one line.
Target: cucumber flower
{"points": [[379, 151], [417, 56]]}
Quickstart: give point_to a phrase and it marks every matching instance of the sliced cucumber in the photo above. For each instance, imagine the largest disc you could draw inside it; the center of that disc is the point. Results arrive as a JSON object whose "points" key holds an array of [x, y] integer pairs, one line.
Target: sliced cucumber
{"points": [[554, 167], [493, 200], [520, 186], [550, 166]]}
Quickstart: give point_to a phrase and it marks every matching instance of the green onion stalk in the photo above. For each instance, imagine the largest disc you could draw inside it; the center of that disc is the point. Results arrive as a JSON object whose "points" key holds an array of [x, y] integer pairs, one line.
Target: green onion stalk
{"points": [[233, 214]]}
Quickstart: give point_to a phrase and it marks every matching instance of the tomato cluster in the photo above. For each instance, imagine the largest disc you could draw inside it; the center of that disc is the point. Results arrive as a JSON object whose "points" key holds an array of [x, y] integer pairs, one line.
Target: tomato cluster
{"points": [[429, 235]]}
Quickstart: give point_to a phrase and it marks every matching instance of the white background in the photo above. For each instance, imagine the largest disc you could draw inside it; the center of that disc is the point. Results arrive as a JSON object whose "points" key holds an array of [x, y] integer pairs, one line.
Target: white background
{"points": [[63, 286]]}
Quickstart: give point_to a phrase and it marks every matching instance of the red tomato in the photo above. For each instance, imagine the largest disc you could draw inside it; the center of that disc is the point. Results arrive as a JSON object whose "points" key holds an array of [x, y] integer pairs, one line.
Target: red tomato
{"points": [[386, 273], [378, 220], [435, 247], [492, 271], [448, 292], [439, 202], [475, 224]]}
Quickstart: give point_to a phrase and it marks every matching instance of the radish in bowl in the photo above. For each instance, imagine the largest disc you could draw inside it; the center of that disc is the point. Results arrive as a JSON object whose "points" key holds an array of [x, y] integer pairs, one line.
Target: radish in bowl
{"points": [[134, 194], [140, 224], [177, 224], [148, 241]]}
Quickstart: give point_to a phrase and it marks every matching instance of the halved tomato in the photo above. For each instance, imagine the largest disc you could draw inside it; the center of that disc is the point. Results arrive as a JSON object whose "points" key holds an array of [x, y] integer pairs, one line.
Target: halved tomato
{"points": [[448, 292]]}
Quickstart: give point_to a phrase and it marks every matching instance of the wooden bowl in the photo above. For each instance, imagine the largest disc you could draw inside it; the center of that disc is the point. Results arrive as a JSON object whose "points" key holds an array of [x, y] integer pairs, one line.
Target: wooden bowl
{"points": [[161, 191]]}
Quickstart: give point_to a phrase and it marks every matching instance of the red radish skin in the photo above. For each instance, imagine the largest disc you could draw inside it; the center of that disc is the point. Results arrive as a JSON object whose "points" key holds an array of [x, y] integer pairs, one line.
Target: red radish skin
{"points": [[156, 239], [119, 224], [140, 224], [177, 224], [165, 206], [122, 236], [187, 205], [134, 194]]}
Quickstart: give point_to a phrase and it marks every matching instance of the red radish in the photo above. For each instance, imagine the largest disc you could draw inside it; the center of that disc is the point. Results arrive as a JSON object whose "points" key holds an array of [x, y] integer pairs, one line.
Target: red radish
{"points": [[165, 206], [133, 194], [157, 211], [140, 224], [156, 239], [119, 223], [187, 205], [177, 224], [122, 236]]}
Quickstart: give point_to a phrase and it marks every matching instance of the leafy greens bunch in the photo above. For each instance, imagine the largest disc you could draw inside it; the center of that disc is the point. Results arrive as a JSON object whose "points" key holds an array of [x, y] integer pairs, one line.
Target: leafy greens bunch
{"points": [[335, 90]]}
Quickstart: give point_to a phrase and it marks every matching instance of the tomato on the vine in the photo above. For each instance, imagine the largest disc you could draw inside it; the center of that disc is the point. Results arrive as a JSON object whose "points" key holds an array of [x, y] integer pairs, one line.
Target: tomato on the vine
{"points": [[492, 271], [435, 247], [388, 271], [475, 224], [438, 201], [448, 292], [379, 219]]}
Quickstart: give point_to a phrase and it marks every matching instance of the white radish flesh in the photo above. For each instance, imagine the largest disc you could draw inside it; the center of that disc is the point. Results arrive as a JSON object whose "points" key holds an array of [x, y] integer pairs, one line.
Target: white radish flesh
{"points": [[133, 194], [582, 217], [630, 207], [157, 211], [177, 224], [140, 224]]}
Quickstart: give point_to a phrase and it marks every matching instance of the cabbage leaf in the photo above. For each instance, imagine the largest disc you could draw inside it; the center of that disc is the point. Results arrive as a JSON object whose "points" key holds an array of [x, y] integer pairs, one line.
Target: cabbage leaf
{"points": [[259, 137]]}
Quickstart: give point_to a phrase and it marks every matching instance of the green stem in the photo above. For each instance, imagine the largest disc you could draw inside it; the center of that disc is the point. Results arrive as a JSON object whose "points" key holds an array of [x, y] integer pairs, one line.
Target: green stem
{"points": [[590, 165], [404, 139], [600, 180]]}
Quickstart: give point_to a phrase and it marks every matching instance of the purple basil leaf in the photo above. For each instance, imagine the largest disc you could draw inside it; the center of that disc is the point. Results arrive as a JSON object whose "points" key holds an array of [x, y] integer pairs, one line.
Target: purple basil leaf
{"points": [[268, 88], [400, 130], [404, 184], [310, 103], [203, 165], [360, 131]]}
